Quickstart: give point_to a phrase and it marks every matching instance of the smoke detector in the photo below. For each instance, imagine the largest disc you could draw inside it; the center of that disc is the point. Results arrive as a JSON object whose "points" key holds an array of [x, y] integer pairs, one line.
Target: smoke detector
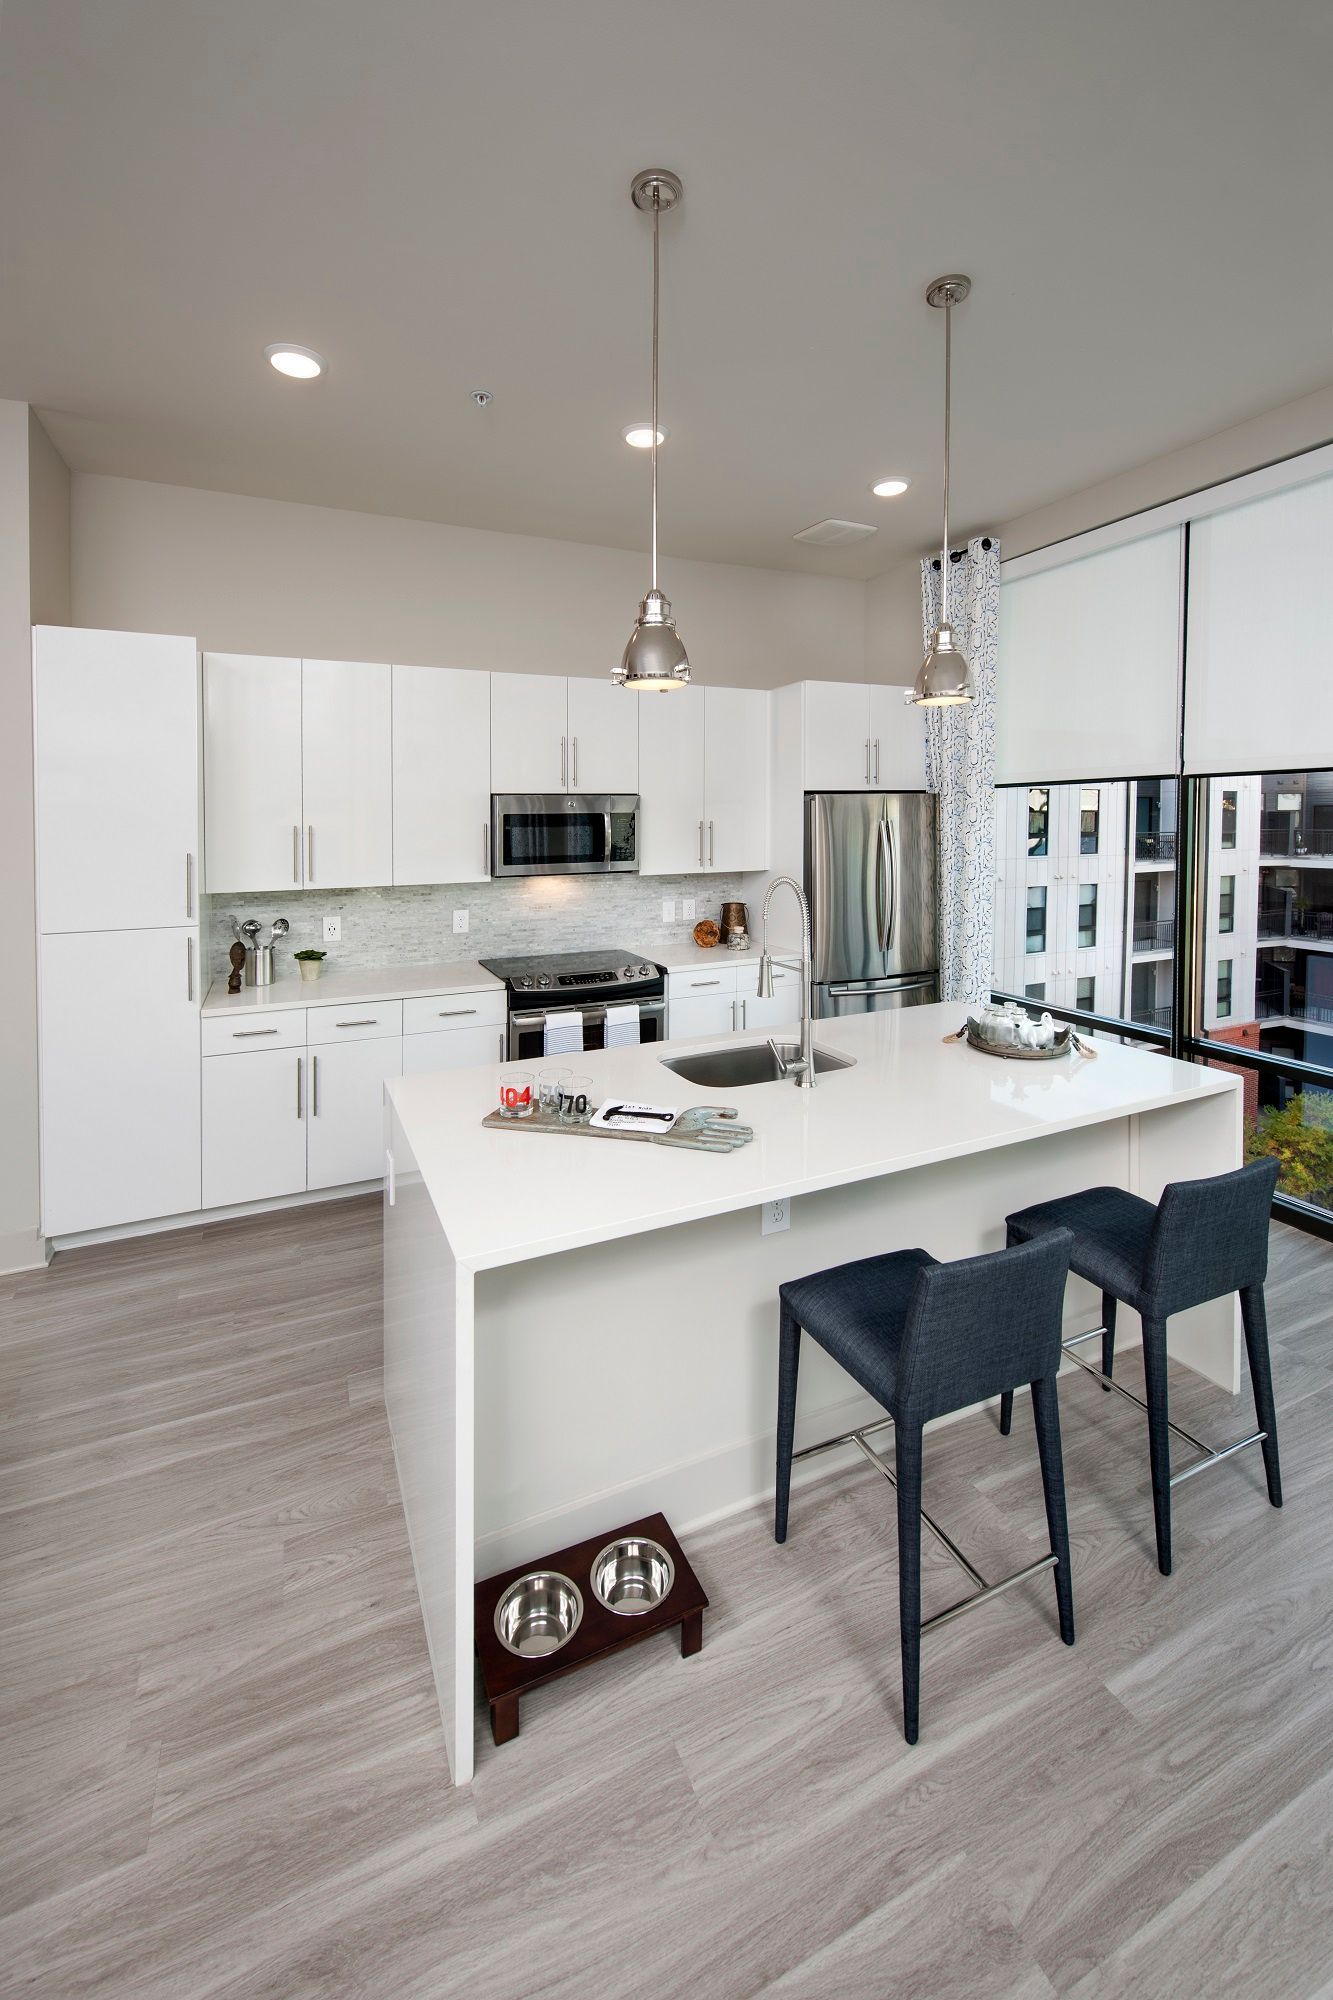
{"points": [[834, 534]]}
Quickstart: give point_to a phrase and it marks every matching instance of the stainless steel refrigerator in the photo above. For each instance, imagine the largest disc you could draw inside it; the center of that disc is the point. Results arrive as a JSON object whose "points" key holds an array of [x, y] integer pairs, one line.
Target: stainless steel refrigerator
{"points": [[871, 876]]}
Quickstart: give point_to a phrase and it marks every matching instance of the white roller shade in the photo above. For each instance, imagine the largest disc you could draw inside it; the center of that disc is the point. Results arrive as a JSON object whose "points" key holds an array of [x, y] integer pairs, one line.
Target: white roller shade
{"points": [[1259, 663], [1087, 677]]}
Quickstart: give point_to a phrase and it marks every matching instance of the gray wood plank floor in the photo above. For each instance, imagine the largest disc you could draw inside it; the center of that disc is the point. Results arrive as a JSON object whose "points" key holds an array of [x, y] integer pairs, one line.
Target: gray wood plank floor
{"points": [[223, 1771]]}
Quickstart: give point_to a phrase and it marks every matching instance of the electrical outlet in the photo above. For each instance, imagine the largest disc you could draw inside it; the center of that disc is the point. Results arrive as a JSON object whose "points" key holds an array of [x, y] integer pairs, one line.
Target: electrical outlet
{"points": [[668, 909], [687, 910], [775, 1216], [460, 922], [333, 930]]}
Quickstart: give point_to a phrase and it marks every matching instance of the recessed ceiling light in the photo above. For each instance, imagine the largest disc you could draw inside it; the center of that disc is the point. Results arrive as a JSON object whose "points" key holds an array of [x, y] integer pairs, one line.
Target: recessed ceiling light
{"points": [[641, 436], [889, 489], [301, 362]]}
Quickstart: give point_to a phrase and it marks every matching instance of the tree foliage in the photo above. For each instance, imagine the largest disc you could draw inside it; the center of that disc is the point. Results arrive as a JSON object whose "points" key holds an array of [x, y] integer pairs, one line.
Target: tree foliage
{"points": [[1300, 1137]]}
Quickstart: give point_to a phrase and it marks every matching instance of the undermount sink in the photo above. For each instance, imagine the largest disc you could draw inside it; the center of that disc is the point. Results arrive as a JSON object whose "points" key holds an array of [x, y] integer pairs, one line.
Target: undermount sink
{"points": [[731, 1069]]}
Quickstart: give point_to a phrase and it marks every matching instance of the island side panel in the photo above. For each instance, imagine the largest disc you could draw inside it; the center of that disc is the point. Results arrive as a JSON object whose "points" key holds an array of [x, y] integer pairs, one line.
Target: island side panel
{"points": [[428, 1392], [641, 1373]]}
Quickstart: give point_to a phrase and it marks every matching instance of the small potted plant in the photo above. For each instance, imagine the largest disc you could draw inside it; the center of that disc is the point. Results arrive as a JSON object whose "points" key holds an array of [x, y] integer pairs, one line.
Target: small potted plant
{"points": [[310, 962]]}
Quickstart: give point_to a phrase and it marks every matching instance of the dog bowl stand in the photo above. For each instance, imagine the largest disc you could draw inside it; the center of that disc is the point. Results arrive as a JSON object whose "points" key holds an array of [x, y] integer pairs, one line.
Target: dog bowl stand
{"points": [[505, 1678]]}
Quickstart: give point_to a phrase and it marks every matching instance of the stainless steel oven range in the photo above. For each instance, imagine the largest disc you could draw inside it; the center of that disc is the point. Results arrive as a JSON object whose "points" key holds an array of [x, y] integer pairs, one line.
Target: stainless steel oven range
{"points": [[544, 982], [554, 833]]}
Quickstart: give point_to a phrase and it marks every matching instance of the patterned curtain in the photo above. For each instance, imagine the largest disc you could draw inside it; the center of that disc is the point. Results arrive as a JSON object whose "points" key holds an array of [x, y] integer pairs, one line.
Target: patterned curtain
{"points": [[960, 767]]}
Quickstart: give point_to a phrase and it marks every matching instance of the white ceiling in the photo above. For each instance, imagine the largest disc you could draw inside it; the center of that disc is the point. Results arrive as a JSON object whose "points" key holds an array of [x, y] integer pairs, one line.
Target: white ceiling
{"points": [[436, 196]]}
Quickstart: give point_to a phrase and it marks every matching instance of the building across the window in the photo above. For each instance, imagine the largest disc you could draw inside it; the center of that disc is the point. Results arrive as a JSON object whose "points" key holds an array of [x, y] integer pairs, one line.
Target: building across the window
{"points": [[1089, 819], [1086, 997], [1039, 819], [1036, 928]]}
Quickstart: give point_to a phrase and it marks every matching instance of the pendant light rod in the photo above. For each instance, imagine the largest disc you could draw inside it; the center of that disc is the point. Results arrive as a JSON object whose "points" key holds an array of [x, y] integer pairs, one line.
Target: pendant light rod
{"points": [[947, 293], [657, 230]]}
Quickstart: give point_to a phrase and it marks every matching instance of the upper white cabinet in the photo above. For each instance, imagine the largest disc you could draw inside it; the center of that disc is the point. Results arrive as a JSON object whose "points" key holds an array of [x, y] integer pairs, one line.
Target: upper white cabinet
{"points": [[549, 734], [117, 775], [298, 768], [735, 779], [119, 1077], [253, 825], [859, 738], [441, 775], [347, 766], [703, 781], [603, 737]]}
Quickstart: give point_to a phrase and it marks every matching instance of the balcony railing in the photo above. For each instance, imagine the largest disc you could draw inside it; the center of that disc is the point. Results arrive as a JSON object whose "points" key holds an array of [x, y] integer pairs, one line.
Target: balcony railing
{"points": [[1154, 847], [1292, 1010], [1157, 936], [1304, 924], [1293, 842], [1151, 1017]]}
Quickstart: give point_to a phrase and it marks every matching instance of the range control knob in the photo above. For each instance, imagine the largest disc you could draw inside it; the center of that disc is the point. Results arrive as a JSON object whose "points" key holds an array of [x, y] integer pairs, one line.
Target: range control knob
{"points": [[627, 972], [645, 972], [544, 979]]}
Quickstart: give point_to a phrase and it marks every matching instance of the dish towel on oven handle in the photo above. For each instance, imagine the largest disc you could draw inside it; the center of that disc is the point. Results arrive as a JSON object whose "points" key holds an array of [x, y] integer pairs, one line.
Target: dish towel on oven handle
{"points": [[562, 1032], [622, 1025]]}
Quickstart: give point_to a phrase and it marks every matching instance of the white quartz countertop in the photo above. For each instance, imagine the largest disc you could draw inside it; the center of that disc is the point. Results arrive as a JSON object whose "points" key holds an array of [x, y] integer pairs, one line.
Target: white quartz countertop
{"points": [[389, 982], [504, 1197]]}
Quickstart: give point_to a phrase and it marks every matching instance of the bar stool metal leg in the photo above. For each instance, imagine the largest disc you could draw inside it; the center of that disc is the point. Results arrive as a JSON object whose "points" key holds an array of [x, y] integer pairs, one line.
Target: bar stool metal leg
{"points": [[1109, 1304], [1046, 1413], [1255, 1317], [1159, 1436], [907, 1461], [789, 1356]]}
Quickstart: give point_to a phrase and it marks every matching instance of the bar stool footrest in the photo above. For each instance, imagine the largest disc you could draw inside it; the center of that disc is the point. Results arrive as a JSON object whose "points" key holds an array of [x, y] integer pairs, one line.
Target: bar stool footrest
{"points": [[1210, 1455]]}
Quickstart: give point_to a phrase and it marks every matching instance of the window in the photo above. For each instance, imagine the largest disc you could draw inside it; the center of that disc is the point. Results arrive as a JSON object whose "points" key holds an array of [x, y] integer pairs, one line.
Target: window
{"points": [[1036, 931], [1087, 914], [1229, 819], [1226, 903], [1039, 819], [1089, 817], [1086, 1001], [1223, 988], [1036, 991]]}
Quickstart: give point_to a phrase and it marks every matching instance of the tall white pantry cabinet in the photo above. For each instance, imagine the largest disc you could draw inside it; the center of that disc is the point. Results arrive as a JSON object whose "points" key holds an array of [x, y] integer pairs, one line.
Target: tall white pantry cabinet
{"points": [[116, 759]]}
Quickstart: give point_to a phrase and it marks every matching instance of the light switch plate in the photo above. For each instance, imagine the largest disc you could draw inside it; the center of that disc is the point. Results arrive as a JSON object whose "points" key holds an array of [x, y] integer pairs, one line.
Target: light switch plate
{"points": [[668, 909], [460, 922], [687, 910], [775, 1216], [333, 930]]}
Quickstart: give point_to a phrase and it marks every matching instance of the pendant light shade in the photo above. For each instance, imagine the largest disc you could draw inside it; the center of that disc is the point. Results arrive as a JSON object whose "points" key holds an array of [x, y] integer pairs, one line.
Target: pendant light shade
{"points": [[944, 679], [655, 660]]}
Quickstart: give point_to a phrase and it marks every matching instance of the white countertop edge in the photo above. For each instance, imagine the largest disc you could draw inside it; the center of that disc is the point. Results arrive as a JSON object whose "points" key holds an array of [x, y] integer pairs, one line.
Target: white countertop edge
{"points": [[339, 989]]}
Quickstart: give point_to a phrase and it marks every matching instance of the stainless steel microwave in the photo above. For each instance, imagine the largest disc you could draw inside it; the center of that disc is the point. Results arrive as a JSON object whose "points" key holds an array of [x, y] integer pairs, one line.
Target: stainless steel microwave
{"points": [[549, 833]]}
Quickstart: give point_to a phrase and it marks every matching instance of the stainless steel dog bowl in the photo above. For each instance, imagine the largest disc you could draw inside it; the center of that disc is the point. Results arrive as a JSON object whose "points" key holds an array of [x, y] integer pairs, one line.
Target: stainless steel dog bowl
{"points": [[538, 1614], [632, 1575]]}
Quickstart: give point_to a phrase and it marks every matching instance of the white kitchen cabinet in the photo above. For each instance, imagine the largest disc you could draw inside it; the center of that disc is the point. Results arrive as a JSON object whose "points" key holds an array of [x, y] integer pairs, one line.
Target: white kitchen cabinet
{"points": [[345, 1120], [897, 741], [671, 765], [782, 1010], [452, 1048], [347, 773], [603, 737], [702, 1013], [116, 718], [254, 1125], [735, 779], [119, 1077], [529, 733], [441, 775], [859, 737], [252, 773]]}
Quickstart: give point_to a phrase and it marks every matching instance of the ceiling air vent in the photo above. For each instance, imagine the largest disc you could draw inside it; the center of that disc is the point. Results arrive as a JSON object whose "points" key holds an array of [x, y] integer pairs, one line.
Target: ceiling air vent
{"points": [[834, 534]]}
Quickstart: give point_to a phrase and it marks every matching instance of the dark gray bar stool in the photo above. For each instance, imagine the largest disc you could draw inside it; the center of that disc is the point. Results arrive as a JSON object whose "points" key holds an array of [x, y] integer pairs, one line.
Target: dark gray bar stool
{"points": [[925, 1339], [1204, 1239]]}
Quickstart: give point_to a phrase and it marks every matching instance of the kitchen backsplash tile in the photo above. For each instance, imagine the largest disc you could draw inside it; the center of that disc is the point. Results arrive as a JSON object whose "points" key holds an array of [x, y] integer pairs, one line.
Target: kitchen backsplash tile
{"points": [[415, 926]]}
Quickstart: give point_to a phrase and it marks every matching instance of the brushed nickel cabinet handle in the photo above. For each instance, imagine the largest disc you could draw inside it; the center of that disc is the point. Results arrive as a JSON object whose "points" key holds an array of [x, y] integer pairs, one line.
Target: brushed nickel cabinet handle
{"points": [[564, 763], [189, 885], [299, 1067], [696, 983], [485, 847], [867, 760], [576, 763], [244, 1034], [455, 1013], [314, 1086], [710, 843], [310, 854], [371, 1021], [189, 968], [296, 854], [877, 760], [701, 843]]}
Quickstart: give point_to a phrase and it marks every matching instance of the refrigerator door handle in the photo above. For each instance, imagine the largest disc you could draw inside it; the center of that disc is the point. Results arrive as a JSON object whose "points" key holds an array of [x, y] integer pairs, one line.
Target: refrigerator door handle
{"points": [[817, 884], [891, 929], [886, 885]]}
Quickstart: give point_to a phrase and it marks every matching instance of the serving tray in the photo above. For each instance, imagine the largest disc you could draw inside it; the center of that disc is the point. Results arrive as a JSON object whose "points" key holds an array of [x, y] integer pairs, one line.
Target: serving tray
{"points": [[704, 1128], [1066, 1043]]}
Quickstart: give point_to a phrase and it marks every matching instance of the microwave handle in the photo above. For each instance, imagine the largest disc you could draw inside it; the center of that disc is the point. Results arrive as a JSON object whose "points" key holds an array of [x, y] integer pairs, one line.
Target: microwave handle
{"points": [[606, 836]]}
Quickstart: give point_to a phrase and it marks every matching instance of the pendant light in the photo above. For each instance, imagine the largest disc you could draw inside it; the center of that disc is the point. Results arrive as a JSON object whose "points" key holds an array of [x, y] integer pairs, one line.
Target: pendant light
{"points": [[655, 660], [945, 679]]}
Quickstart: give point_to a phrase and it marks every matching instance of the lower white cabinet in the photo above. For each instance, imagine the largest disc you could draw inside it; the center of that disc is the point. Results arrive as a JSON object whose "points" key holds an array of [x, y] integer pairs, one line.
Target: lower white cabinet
{"points": [[345, 1111], [726, 1001], [254, 1125], [783, 1010], [119, 1077], [452, 1048], [702, 1014]]}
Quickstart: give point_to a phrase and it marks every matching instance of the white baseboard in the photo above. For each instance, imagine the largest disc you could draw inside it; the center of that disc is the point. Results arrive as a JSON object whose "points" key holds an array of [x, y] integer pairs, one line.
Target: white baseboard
{"points": [[193, 1217], [23, 1250]]}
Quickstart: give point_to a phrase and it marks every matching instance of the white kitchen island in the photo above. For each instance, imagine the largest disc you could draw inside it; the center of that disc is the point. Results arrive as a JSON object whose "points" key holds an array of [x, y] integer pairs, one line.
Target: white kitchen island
{"points": [[579, 1332]]}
